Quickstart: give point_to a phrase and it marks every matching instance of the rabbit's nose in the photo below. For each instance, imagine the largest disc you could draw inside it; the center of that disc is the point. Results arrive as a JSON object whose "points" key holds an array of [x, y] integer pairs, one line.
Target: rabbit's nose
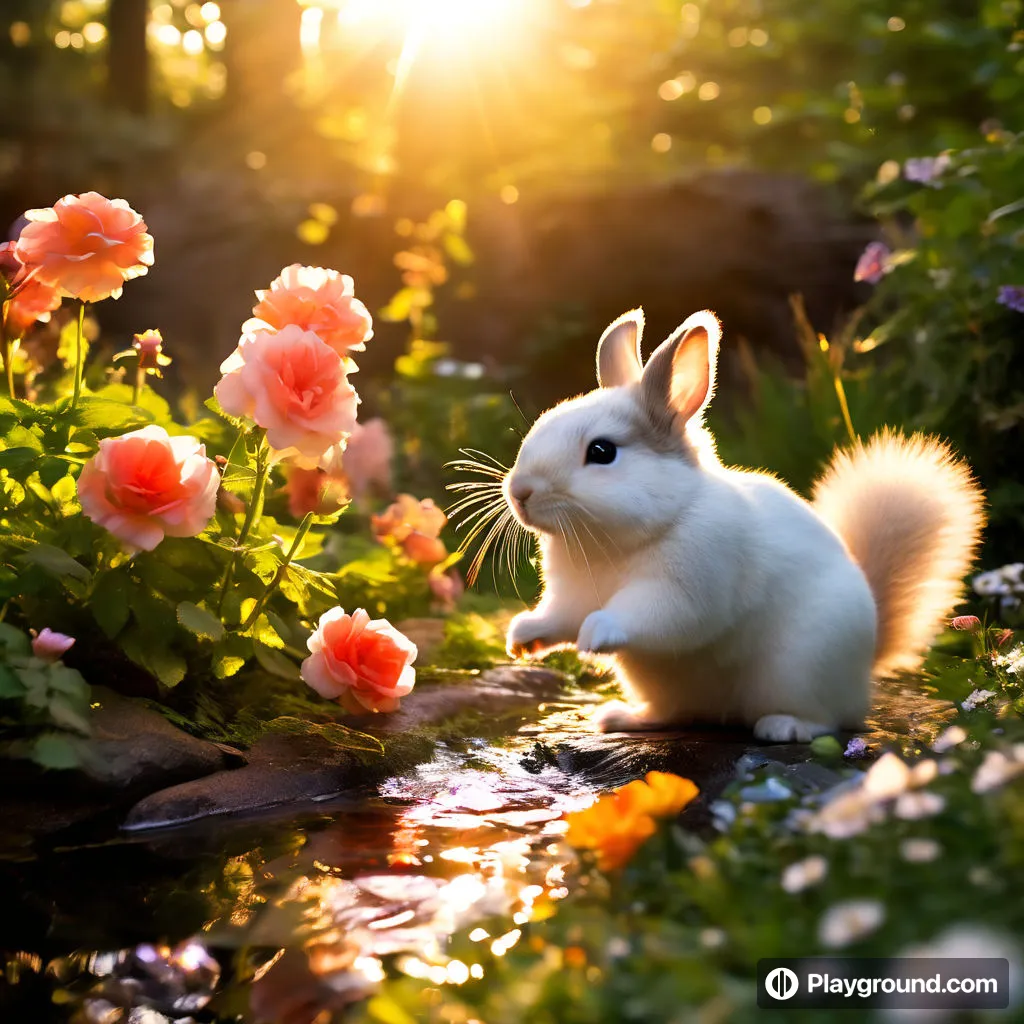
{"points": [[521, 491]]}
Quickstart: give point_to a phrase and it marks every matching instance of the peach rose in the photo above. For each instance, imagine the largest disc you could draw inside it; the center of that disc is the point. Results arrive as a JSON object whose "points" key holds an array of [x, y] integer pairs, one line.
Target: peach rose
{"points": [[86, 246], [365, 459], [365, 665], [415, 526], [29, 300], [313, 490], [318, 300], [145, 485], [294, 386]]}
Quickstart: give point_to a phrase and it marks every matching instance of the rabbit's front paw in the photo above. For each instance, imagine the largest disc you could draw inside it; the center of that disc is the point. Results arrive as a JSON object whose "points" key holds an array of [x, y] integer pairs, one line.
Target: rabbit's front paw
{"points": [[617, 716], [788, 729], [526, 636], [601, 633]]}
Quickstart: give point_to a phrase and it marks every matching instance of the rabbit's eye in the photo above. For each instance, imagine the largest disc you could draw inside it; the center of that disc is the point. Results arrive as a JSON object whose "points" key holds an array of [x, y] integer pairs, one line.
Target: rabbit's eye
{"points": [[602, 451]]}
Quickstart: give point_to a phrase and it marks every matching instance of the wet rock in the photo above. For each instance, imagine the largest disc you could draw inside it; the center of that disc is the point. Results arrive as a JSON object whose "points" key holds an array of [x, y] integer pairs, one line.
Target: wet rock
{"points": [[284, 770], [135, 748], [499, 695]]}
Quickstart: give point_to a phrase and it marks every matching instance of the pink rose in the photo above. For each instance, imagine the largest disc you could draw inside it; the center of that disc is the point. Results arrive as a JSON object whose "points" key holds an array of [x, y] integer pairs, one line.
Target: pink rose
{"points": [[365, 665], [294, 386], [51, 646], [146, 485], [365, 459], [447, 588], [317, 300], [86, 246]]}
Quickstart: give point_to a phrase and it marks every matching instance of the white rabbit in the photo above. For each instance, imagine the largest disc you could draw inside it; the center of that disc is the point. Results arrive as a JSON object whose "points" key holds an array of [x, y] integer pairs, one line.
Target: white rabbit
{"points": [[721, 594]]}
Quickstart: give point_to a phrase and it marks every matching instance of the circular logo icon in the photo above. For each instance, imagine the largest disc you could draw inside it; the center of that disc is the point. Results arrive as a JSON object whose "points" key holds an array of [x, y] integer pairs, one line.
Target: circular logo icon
{"points": [[782, 983]]}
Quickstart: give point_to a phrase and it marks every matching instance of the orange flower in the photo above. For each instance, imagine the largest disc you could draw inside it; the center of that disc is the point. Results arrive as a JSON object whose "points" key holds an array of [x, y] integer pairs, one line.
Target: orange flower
{"points": [[86, 246], [313, 490], [415, 526], [29, 300], [622, 821], [664, 794], [317, 300]]}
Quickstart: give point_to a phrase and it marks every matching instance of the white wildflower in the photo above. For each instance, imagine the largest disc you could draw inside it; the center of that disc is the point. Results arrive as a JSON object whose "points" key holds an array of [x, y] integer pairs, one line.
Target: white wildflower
{"points": [[849, 921], [712, 938], [919, 851], [846, 815], [1012, 661], [911, 806], [997, 769], [1004, 581], [887, 777], [976, 697], [949, 738], [804, 873], [967, 942]]}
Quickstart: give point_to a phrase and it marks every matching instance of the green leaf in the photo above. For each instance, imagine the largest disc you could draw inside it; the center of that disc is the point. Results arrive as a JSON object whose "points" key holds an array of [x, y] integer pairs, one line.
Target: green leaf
{"points": [[276, 663], [15, 642], [52, 750], [110, 602], [13, 459], [10, 685], [23, 437], [200, 622], [56, 562], [106, 416], [214, 406], [52, 471], [231, 655], [65, 714], [167, 665]]}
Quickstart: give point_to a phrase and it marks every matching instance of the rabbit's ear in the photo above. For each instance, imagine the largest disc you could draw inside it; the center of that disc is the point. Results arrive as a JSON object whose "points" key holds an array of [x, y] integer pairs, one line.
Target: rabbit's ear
{"points": [[618, 351], [679, 378]]}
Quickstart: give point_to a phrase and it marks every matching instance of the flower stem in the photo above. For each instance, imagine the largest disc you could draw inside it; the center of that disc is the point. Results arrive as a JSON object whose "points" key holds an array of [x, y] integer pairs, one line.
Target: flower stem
{"points": [[79, 356], [293, 550], [140, 376], [7, 347], [252, 516]]}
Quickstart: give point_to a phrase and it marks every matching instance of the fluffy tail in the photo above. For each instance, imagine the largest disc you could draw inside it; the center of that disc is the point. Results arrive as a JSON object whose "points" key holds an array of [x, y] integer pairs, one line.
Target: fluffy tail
{"points": [[911, 514]]}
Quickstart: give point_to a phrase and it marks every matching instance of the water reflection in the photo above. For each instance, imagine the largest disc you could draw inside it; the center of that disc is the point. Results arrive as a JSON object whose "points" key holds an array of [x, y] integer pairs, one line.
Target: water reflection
{"points": [[297, 934]]}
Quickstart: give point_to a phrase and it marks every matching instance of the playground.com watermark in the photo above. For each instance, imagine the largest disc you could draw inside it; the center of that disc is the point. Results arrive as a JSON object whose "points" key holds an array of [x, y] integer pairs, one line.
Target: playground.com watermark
{"points": [[910, 983]]}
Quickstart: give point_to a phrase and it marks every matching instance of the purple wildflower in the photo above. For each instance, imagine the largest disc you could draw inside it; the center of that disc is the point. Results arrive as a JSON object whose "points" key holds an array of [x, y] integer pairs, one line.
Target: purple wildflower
{"points": [[925, 169], [1012, 296], [873, 264], [856, 748]]}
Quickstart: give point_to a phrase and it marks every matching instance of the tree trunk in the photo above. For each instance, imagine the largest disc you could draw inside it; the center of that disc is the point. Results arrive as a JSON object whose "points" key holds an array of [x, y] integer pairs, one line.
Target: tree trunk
{"points": [[127, 56]]}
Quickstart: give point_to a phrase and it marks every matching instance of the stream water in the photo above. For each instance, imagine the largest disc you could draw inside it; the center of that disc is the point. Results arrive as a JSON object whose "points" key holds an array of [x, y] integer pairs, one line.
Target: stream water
{"points": [[289, 918]]}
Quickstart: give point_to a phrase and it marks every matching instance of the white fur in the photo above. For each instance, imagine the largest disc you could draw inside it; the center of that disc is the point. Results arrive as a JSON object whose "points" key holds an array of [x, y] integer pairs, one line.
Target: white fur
{"points": [[720, 593]]}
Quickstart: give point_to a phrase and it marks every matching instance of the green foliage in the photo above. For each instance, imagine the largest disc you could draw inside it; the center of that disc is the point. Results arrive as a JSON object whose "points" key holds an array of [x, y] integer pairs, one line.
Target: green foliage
{"points": [[44, 705]]}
